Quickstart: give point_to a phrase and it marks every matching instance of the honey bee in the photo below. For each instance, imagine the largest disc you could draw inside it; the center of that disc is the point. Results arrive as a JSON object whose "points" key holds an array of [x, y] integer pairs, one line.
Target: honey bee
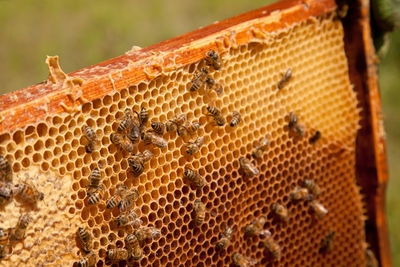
{"points": [[85, 238], [312, 187], [256, 227], [137, 161], [194, 147], [180, 120], [150, 138], [133, 246], [226, 238], [117, 197], [182, 130], [170, 126], [194, 126], [125, 219], [18, 233], [285, 79], [5, 169], [194, 177], [96, 196], [117, 254], [342, 10], [3, 252], [200, 211], [248, 168], [136, 253], [127, 145], [315, 137], [131, 241], [122, 142], [6, 192], [88, 261], [91, 137], [216, 113], [212, 59], [134, 133], [94, 180], [260, 148], [189, 128], [280, 211], [294, 127], [143, 117], [136, 165], [318, 208], [199, 79], [116, 139], [173, 124], [28, 193], [145, 156], [300, 193], [272, 246], [144, 233], [128, 200], [370, 258], [235, 119], [158, 127], [3, 237], [327, 242], [213, 85], [242, 261], [126, 121]]}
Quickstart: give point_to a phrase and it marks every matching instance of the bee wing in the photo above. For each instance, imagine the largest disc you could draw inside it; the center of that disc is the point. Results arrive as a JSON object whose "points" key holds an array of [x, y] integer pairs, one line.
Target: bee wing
{"points": [[250, 261], [136, 223], [121, 189], [155, 233], [265, 233], [254, 169], [133, 195]]}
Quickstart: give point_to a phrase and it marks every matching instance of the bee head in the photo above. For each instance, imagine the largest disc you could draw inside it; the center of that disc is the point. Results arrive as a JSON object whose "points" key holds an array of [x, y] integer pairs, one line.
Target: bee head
{"points": [[204, 70]]}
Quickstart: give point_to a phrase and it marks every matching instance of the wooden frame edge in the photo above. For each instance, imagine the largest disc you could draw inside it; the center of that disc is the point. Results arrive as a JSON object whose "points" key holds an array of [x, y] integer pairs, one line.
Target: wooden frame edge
{"points": [[371, 166]]}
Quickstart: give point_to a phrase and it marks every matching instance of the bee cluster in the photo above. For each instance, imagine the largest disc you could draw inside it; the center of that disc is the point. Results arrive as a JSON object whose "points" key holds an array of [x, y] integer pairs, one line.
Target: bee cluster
{"points": [[132, 128], [239, 170], [24, 192]]}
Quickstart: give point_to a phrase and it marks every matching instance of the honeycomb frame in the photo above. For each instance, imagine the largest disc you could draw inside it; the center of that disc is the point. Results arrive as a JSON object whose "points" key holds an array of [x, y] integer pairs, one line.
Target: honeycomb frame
{"points": [[34, 155]]}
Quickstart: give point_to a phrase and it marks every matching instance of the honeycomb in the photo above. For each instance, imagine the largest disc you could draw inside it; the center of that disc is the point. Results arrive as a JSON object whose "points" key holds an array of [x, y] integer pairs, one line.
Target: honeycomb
{"points": [[51, 154]]}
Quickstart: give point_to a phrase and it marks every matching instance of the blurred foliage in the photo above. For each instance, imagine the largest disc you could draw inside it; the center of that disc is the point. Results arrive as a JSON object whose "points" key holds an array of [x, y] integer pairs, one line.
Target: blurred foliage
{"points": [[389, 79], [84, 33]]}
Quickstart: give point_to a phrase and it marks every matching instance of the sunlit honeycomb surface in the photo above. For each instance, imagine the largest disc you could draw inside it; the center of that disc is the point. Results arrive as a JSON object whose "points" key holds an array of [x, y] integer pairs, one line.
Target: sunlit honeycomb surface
{"points": [[52, 154]]}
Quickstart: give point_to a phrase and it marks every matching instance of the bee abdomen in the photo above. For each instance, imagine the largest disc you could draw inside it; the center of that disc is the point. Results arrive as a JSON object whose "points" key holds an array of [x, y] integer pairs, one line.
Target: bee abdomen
{"points": [[137, 166], [96, 197], [118, 254], [131, 241], [143, 117], [235, 119], [113, 202], [194, 177], [158, 127]]}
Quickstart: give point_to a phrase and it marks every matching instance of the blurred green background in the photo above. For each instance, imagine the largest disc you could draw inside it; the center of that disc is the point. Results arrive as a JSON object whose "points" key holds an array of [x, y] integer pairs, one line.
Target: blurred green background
{"points": [[84, 33]]}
